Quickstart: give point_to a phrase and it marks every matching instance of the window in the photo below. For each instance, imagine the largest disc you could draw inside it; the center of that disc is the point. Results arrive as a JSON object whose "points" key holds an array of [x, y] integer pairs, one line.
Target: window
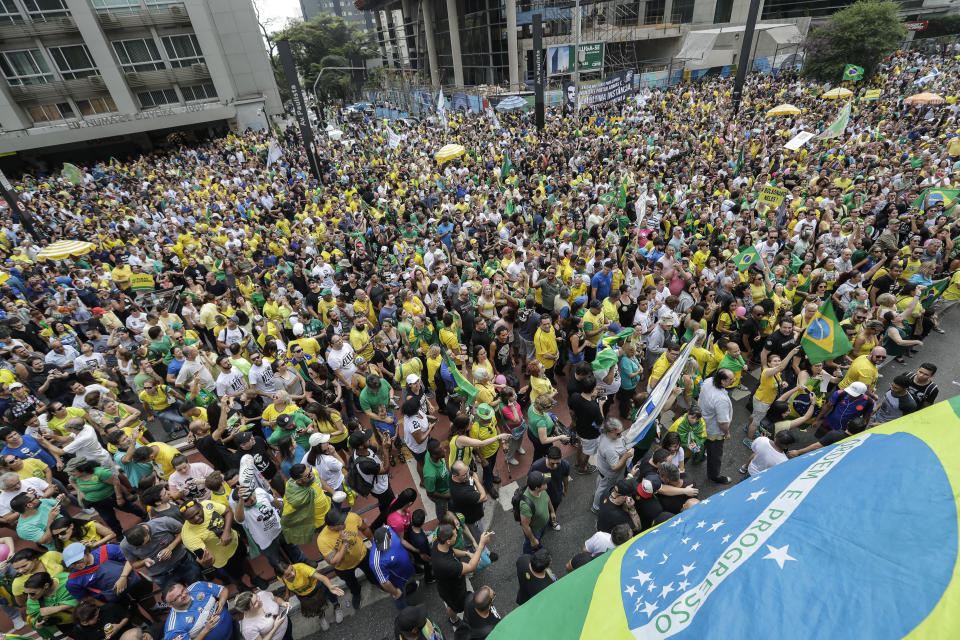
{"points": [[157, 98], [183, 50], [723, 11], [9, 12], [50, 112], [119, 6], [74, 61], [42, 9], [138, 55], [96, 106], [25, 67], [199, 92]]}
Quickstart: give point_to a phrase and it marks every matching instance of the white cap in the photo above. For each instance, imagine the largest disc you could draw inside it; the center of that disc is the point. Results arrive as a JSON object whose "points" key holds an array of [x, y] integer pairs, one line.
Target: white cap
{"points": [[412, 378], [856, 389], [316, 439]]}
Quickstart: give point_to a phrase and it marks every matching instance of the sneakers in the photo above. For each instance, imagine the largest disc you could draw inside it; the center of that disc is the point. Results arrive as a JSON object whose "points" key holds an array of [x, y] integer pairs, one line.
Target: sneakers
{"points": [[555, 525], [513, 461], [355, 601], [748, 443], [522, 451], [586, 471], [337, 613], [324, 625], [743, 470]]}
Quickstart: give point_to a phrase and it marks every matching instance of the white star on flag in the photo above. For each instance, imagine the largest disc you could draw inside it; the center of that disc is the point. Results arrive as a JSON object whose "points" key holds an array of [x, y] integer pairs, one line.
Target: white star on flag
{"points": [[652, 587], [682, 586], [650, 608], [665, 558], [756, 494], [637, 606], [642, 576], [676, 522], [780, 554], [665, 590], [755, 478], [701, 524], [695, 546], [725, 538], [687, 568], [716, 525], [641, 554], [685, 540], [630, 590], [707, 501]]}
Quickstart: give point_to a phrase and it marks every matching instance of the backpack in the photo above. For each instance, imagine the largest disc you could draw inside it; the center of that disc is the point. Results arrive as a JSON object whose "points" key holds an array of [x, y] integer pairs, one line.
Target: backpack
{"points": [[356, 480], [519, 496]]}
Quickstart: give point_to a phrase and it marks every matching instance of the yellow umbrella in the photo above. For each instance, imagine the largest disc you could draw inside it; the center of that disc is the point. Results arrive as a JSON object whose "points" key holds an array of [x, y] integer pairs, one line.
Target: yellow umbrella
{"points": [[783, 110], [838, 92], [449, 152], [924, 98], [65, 249]]}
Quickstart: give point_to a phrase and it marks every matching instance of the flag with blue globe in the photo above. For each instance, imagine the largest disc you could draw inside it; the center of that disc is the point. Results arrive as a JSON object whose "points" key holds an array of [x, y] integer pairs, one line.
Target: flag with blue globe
{"points": [[824, 339]]}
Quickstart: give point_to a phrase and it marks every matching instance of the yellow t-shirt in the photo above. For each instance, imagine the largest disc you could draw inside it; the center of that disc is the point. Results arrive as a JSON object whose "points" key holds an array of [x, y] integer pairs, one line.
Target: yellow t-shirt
{"points": [[157, 401], [362, 343], [32, 468], [270, 413], [310, 346], [862, 370], [660, 366], [56, 424], [206, 535], [767, 389], [52, 563], [165, 455], [328, 541], [593, 322], [545, 343], [303, 582], [331, 427], [482, 431], [459, 453]]}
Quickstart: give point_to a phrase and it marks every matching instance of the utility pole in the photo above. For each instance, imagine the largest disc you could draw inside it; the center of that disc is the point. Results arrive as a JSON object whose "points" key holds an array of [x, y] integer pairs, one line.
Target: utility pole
{"points": [[576, 50], [745, 60], [538, 65]]}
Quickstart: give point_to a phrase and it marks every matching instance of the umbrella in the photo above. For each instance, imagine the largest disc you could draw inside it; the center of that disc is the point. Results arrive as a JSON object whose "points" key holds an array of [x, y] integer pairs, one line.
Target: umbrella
{"points": [[838, 92], [449, 152], [783, 110], [924, 98], [513, 102], [64, 249]]}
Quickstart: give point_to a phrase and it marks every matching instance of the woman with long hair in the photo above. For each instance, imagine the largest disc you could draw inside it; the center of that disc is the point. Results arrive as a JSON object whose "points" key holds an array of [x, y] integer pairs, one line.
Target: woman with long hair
{"points": [[399, 513]]}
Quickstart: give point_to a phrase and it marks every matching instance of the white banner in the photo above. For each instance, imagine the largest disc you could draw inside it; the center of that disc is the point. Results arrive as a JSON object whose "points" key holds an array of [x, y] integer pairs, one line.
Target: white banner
{"points": [[798, 140]]}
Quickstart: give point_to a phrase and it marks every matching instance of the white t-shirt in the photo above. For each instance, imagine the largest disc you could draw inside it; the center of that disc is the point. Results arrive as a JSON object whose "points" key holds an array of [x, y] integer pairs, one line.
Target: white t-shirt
{"points": [[197, 471], [415, 423], [31, 484], [80, 403], [342, 360], [231, 337], [598, 543], [86, 445], [262, 378], [765, 456], [230, 383], [187, 371], [330, 469], [262, 520]]}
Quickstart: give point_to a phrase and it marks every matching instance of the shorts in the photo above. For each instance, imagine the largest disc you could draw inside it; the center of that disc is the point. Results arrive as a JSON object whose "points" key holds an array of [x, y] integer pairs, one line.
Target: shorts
{"points": [[589, 445], [419, 457], [759, 411], [343, 445], [525, 347]]}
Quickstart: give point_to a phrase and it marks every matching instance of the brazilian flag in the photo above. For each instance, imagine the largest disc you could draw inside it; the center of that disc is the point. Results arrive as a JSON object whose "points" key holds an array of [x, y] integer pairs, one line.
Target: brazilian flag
{"points": [[824, 339], [795, 535], [464, 388], [933, 292], [930, 197], [852, 72], [746, 258], [622, 197], [607, 199]]}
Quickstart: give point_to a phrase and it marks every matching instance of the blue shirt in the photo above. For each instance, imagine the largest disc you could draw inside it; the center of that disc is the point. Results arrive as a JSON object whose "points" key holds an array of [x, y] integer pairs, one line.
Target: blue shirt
{"points": [[846, 408], [106, 569], [30, 448], [627, 366], [180, 623], [394, 564], [602, 284], [446, 228]]}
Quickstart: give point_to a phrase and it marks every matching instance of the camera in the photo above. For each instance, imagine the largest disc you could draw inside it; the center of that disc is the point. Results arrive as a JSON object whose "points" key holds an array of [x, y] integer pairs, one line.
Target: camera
{"points": [[564, 430], [194, 491]]}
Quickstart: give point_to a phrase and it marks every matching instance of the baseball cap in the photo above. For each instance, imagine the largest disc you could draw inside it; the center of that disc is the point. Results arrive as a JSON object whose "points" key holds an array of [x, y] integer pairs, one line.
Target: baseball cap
{"points": [[500, 380], [74, 463], [624, 487], [856, 389], [317, 439], [74, 553], [614, 327], [242, 437], [97, 311], [485, 411], [326, 292], [412, 618], [381, 538], [412, 378], [359, 438], [284, 420], [15, 385], [649, 486], [334, 518]]}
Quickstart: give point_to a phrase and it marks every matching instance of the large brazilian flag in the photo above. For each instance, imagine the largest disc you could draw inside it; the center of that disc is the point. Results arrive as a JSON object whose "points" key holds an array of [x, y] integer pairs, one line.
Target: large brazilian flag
{"points": [[856, 540]]}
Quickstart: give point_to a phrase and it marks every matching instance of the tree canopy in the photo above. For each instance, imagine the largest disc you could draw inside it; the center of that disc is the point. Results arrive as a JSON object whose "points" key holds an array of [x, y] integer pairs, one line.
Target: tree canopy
{"points": [[862, 34]]}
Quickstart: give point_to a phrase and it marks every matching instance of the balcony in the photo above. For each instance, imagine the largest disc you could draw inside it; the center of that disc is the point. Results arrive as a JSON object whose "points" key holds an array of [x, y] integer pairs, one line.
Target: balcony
{"points": [[193, 74], [10, 31], [169, 16], [59, 91]]}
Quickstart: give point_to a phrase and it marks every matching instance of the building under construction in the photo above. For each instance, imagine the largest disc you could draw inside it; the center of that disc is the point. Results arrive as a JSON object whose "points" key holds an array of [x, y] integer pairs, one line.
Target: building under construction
{"points": [[462, 43]]}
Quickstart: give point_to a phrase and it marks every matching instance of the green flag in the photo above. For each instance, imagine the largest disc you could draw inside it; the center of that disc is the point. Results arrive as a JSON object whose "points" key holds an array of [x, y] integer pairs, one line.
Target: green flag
{"points": [[739, 166], [622, 200], [837, 127], [506, 167], [824, 338], [933, 292], [930, 197], [746, 258], [510, 208], [852, 72], [72, 173], [464, 388]]}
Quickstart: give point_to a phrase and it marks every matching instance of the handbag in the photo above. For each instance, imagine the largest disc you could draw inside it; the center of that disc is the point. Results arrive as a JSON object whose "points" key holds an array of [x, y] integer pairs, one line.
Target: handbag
{"points": [[517, 432]]}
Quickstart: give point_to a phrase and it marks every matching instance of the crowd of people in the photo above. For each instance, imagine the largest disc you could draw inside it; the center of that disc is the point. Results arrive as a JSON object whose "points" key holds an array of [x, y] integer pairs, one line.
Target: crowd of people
{"points": [[247, 353]]}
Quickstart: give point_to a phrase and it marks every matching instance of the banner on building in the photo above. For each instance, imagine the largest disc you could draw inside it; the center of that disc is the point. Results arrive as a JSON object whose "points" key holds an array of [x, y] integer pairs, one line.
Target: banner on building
{"points": [[611, 89], [561, 59]]}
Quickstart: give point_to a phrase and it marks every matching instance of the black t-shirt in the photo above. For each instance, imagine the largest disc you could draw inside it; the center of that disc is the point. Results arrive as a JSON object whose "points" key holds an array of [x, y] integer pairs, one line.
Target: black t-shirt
{"points": [[480, 627], [751, 331], [501, 356], [110, 613], [648, 509], [779, 344], [886, 284], [833, 437], [451, 584], [215, 452], [553, 477], [587, 416], [529, 584], [217, 288], [924, 393], [610, 515], [573, 386], [261, 458], [466, 499]]}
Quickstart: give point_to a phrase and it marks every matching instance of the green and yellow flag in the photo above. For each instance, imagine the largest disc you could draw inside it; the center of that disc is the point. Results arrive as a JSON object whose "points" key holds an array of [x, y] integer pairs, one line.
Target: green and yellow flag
{"points": [[464, 388], [932, 293], [930, 197], [824, 339], [852, 72], [622, 198], [746, 258], [72, 173], [701, 573], [872, 94]]}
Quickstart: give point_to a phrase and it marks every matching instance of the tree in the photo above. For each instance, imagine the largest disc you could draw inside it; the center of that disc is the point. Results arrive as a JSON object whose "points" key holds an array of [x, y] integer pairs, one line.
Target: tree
{"points": [[326, 41], [862, 34], [941, 26]]}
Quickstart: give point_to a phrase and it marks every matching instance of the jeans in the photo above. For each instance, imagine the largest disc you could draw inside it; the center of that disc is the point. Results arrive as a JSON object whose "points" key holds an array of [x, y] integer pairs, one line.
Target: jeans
{"points": [[383, 503], [528, 548], [442, 506], [187, 571], [349, 576], [489, 471], [106, 508], [170, 420], [714, 458], [292, 551]]}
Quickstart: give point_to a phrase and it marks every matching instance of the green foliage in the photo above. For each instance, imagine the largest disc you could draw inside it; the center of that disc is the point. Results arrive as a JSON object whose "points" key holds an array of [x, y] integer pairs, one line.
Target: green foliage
{"points": [[941, 26], [325, 41], [862, 34]]}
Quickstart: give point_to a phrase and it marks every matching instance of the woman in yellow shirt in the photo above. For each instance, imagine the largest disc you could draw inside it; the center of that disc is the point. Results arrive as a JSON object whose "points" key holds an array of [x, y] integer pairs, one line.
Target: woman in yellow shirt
{"points": [[768, 390], [481, 361], [312, 588], [540, 384], [65, 530]]}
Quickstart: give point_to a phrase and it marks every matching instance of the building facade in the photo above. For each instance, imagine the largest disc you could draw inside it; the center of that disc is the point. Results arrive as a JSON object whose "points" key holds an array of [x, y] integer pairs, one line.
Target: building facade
{"points": [[475, 42], [79, 73], [343, 8]]}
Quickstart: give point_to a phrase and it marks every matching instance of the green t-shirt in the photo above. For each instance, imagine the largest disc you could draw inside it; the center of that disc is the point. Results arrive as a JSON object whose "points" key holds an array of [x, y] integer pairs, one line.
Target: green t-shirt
{"points": [[96, 488], [436, 476], [540, 514], [370, 401], [300, 419], [536, 421]]}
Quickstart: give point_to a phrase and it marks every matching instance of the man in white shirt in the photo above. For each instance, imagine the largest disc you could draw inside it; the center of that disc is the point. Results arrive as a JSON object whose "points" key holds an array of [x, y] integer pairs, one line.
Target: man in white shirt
{"points": [[12, 485], [85, 443], [194, 366], [260, 375], [340, 359], [768, 453], [230, 382], [259, 513]]}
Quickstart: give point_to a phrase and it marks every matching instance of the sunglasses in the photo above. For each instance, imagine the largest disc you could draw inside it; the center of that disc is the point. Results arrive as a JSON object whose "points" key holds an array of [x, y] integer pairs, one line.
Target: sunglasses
{"points": [[184, 508]]}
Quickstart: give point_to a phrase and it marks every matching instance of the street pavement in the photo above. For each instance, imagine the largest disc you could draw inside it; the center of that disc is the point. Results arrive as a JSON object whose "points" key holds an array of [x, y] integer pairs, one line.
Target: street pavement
{"points": [[377, 612]]}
